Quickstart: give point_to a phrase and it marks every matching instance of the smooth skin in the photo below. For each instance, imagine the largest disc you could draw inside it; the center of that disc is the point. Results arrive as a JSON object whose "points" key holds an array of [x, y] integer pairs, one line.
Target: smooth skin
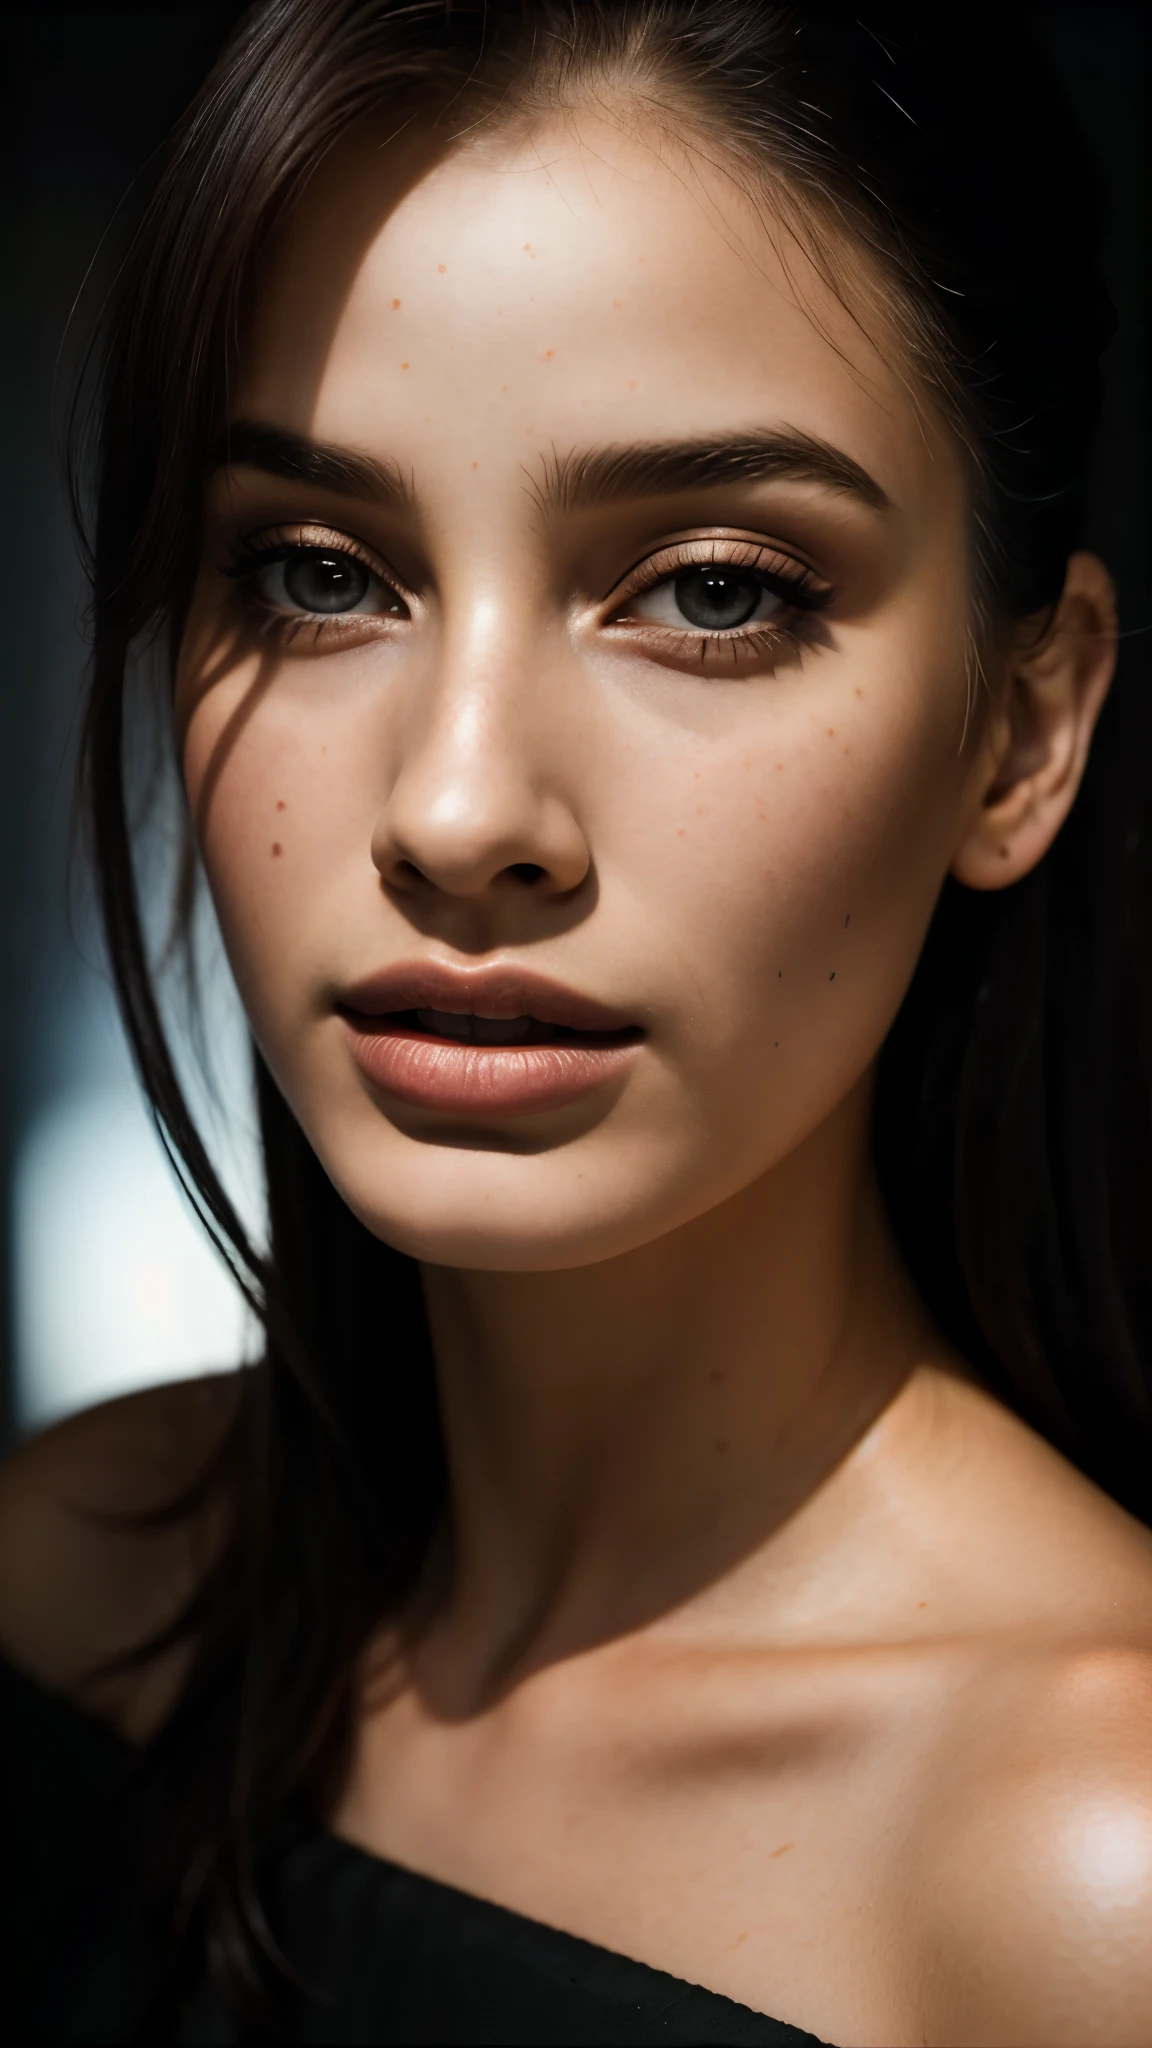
{"points": [[769, 1649]]}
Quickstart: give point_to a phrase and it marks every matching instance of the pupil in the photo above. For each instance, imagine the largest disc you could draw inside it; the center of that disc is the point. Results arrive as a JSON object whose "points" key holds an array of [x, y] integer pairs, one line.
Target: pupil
{"points": [[717, 597], [326, 583]]}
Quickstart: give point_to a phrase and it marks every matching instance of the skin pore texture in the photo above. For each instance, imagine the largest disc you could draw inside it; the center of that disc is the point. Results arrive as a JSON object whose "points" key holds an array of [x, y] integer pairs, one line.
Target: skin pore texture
{"points": [[770, 1650]]}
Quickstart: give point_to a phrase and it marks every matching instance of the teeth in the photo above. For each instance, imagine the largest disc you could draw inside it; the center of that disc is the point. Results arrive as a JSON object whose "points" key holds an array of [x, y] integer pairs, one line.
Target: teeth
{"points": [[472, 1030]]}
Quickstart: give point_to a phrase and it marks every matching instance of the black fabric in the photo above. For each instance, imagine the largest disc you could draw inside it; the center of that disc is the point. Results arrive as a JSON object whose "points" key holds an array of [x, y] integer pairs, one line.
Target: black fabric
{"points": [[381, 1954]]}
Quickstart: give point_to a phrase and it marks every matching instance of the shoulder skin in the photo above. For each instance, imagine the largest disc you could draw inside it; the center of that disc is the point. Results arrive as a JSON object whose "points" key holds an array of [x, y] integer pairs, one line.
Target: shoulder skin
{"points": [[82, 1577], [1036, 1885]]}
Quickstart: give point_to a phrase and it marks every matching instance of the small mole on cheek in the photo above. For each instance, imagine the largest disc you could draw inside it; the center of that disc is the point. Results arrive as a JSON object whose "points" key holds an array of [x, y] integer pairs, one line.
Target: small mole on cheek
{"points": [[679, 831], [831, 732], [716, 1376], [475, 465], [775, 1045], [832, 976], [848, 920], [721, 1445], [280, 804], [921, 1603], [859, 691], [1003, 853], [403, 366], [277, 849], [547, 355], [395, 305]]}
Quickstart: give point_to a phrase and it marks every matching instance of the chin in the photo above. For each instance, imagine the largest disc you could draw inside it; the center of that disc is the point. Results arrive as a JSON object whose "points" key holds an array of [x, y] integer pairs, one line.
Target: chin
{"points": [[488, 1210]]}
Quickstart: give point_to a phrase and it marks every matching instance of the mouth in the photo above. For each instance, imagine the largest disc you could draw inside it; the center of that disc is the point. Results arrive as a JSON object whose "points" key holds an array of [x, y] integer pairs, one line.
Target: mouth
{"points": [[472, 1027], [483, 1041]]}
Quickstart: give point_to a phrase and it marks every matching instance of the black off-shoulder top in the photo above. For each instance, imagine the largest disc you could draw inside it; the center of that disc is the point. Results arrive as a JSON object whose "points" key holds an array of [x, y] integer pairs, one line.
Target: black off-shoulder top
{"points": [[379, 1953]]}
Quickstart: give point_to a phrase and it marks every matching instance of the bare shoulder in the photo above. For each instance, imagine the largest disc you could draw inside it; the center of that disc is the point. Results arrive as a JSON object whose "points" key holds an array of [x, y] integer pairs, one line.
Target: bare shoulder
{"points": [[1036, 1884], [84, 1574]]}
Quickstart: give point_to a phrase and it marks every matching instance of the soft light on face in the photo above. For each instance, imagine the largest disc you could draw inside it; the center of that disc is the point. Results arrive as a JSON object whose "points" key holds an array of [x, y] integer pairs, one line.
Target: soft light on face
{"points": [[683, 735]]}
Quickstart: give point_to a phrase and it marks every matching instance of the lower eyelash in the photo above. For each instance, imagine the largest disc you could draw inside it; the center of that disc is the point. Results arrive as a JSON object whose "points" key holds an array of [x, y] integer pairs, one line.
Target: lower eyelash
{"points": [[764, 640]]}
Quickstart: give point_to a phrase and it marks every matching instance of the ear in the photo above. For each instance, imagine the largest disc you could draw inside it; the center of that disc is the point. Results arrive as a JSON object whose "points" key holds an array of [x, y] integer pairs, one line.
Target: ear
{"points": [[1036, 741]]}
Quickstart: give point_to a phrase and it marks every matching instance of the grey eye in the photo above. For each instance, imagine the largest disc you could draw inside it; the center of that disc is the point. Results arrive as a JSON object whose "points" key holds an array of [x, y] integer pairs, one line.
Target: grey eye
{"points": [[326, 583], [718, 598], [713, 599]]}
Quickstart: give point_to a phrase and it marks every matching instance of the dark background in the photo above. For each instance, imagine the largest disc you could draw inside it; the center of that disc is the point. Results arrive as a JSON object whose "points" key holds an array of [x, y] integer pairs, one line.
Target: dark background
{"points": [[91, 94]]}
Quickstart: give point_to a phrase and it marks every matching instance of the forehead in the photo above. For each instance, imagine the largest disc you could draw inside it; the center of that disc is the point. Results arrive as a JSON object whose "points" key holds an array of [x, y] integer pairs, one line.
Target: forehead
{"points": [[579, 284]]}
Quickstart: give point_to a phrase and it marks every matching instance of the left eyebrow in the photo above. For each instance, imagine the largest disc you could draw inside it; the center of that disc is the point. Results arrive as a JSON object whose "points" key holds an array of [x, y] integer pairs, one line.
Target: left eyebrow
{"points": [[666, 468], [252, 444]]}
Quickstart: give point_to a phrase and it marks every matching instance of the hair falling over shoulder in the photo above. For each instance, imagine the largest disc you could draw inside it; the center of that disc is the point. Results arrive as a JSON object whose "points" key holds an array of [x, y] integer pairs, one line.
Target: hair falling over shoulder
{"points": [[1014, 1110]]}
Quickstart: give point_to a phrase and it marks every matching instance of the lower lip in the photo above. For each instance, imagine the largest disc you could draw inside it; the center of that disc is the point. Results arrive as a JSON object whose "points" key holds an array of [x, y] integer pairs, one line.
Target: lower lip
{"points": [[491, 1080]]}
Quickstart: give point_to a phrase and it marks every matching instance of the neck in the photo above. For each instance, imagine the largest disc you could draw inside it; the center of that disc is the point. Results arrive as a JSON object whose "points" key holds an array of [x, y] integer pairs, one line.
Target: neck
{"points": [[621, 1435]]}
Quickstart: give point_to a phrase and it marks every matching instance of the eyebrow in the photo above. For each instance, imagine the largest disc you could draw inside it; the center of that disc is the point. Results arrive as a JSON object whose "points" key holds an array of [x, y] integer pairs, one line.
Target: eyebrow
{"points": [[279, 452], [572, 482], [660, 469]]}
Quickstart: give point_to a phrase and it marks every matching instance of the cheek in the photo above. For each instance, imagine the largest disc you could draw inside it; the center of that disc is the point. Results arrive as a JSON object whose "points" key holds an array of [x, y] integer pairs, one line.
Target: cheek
{"points": [[283, 801], [800, 875]]}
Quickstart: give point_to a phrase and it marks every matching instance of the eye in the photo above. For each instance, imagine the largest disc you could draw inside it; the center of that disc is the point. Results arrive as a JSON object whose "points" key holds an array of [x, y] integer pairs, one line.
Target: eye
{"points": [[324, 583], [713, 597]]}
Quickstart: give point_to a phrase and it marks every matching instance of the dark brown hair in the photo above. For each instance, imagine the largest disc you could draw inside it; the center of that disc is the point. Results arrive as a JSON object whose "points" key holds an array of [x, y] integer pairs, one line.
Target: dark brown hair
{"points": [[1013, 1121]]}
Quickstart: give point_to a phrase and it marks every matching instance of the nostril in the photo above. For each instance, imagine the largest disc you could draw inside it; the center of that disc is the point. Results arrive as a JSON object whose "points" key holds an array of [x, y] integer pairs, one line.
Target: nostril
{"points": [[526, 871]]}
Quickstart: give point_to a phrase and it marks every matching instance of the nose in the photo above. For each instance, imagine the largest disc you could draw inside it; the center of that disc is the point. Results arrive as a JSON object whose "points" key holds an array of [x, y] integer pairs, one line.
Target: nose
{"points": [[478, 804]]}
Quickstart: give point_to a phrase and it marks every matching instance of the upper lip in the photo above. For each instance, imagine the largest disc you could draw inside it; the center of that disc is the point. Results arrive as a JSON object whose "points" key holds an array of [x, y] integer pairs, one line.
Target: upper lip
{"points": [[493, 991]]}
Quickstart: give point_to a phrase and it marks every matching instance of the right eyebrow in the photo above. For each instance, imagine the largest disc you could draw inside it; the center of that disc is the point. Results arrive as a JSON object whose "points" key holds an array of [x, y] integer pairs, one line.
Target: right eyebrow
{"points": [[658, 469], [280, 452]]}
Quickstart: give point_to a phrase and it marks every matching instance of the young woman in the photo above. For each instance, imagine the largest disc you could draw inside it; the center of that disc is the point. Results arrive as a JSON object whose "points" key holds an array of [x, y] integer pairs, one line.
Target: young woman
{"points": [[609, 481]]}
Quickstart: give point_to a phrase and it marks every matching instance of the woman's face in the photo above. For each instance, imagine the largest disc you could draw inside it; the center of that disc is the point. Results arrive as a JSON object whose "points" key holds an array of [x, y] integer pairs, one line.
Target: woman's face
{"points": [[576, 767]]}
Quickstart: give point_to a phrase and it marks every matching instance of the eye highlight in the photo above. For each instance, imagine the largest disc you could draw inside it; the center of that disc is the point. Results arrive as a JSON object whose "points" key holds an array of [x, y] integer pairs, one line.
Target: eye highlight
{"points": [[312, 575]]}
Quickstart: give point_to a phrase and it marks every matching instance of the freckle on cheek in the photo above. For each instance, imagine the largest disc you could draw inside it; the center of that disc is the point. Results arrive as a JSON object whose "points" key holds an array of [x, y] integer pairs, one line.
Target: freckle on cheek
{"points": [[280, 804], [395, 305]]}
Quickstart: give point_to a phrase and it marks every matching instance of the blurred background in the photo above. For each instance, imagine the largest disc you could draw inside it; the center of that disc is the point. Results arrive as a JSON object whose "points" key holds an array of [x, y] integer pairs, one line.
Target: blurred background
{"points": [[105, 1281]]}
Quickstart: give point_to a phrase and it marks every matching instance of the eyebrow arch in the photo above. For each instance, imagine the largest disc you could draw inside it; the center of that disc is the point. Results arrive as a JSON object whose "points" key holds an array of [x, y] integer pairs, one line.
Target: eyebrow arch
{"points": [[280, 452], [658, 469]]}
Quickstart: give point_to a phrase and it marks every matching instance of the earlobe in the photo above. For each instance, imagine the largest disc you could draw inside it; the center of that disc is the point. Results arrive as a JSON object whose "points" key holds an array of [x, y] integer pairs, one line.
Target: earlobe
{"points": [[1035, 747]]}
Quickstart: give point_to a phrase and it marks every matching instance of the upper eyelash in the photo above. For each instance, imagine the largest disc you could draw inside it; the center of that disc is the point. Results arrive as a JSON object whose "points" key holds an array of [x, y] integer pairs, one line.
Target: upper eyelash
{"points": [[674, 560], [248, 555]]}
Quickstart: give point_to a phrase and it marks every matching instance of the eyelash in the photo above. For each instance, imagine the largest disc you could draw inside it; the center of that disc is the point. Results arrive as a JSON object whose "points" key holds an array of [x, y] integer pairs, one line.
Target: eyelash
{"points": [[794, 584], [253, 554], [779, 574]]}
